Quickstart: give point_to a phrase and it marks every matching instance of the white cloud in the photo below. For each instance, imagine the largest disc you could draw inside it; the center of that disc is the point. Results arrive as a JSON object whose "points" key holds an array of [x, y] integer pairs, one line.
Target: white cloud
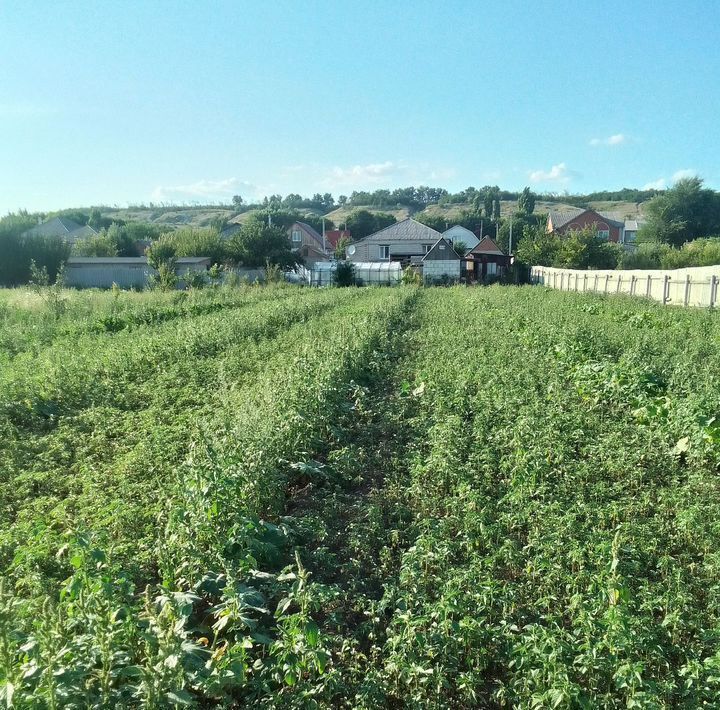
{"points": [[388, 174], [663, 183], [659, 184], [205, 190], [616, 139], [370, 174], [685, 173], [558, 173]]}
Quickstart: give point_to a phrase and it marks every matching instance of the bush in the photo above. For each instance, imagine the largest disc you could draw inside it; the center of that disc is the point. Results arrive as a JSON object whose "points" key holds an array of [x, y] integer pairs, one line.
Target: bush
{"points": [[190, 241], [581, 249], [646, 256], [655, 255], [162, 251], [195, 279], [165, 279], [98, 245], [17, 250], [411, 276], [344, 274]]}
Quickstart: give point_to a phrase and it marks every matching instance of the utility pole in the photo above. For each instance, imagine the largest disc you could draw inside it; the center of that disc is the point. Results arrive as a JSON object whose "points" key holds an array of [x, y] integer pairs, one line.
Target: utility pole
{"points": [[510, 246]]}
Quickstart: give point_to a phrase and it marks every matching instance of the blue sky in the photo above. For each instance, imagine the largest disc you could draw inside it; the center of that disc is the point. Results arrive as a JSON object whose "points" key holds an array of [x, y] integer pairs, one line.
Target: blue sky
{"points": [[120, 103]]}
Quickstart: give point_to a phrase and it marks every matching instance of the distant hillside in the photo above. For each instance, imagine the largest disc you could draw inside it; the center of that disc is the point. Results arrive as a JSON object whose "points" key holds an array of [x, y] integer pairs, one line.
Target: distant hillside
{"points": [[173, 217]]}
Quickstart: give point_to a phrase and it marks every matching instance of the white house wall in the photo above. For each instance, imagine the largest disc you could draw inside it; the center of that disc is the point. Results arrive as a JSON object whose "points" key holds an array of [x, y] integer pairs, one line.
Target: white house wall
{"points": [[436, 269], [370, 251]]}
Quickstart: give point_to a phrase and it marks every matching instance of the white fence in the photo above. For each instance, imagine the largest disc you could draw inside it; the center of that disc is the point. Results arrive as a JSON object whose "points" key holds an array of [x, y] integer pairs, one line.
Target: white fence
{"points": [[682, 287]]}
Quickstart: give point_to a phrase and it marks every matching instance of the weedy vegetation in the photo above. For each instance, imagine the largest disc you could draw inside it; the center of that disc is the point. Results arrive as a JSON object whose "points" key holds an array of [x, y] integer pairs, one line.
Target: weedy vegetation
{"points": [[283, 497]]}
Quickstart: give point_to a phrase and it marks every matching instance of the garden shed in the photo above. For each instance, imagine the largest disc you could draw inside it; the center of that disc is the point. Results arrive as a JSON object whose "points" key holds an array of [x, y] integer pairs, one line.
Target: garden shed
{"points": [[486, 262], [441, 263], [125, 271]]}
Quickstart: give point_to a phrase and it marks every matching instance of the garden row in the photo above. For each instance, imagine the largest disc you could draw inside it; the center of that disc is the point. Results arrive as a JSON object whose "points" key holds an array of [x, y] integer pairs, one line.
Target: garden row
{"points": [[367, 498], [105, 458]]}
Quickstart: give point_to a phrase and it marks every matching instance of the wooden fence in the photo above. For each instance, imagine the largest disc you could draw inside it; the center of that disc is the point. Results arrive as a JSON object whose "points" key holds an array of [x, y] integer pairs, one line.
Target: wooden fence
{"points": [[683, 287]]}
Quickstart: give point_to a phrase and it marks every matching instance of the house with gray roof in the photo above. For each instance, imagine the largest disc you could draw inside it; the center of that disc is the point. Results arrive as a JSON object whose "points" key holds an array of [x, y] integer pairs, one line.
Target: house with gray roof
{"points": [[61, 228], [458, 234], [609, 225], [407, 242], [630, 232]]}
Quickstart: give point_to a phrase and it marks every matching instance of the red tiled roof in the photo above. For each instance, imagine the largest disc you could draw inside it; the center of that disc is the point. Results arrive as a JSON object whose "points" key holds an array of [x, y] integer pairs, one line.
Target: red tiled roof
{"points": [[333, 236]]}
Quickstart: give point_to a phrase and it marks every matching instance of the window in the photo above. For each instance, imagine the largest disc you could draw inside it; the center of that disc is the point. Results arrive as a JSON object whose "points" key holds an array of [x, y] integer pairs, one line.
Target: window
{"points": [[427, 247], [491, 268], [604, 234], [384, 251], [296, 236]]}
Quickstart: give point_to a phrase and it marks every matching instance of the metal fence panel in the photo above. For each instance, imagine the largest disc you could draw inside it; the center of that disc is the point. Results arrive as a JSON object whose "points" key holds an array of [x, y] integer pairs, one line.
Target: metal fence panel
{"points": [[685, 287]]}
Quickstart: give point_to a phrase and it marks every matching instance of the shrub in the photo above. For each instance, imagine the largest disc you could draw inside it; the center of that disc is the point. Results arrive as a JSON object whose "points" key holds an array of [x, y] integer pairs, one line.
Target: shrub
{"points": [[344, 274], [18, 249], [195, 279], [411, 276]]}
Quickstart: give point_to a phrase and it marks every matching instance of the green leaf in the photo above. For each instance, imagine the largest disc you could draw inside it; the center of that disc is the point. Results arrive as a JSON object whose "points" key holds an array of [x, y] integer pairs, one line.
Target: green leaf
{"points": [[682, 446], [172, 660], [312, 633], [180, 697]]}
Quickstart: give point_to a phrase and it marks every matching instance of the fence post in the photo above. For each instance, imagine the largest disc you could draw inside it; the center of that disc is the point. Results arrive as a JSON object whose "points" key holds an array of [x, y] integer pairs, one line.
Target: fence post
{"points": [[666, 289], [687, 290], [607, 280], [617, 285], [713, 290], [596, 280], [648, 289], [584, 283], [632, 285]]}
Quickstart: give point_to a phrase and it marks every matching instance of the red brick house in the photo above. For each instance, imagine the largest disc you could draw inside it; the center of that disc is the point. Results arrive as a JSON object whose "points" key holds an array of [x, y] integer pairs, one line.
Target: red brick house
{"points": [[607, 224]]}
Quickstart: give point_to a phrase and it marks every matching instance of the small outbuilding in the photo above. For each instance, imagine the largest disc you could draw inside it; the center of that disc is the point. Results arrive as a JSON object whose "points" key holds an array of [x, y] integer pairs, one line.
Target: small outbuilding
{"points": [[486, 262], [125, 271], [441, 263]]}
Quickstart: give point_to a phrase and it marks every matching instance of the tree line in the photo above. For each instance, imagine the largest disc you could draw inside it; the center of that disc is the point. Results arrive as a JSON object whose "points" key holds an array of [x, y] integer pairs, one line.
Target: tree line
{"points": [[417, 198]]}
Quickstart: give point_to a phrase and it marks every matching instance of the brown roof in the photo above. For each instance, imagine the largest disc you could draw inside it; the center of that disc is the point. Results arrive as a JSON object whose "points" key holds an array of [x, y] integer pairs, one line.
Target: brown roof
{"points": [[560, 219], [487, 246], [309, 231]]}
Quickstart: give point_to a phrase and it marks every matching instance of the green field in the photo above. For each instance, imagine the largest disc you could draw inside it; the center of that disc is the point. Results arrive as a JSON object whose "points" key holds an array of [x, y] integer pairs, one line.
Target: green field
{"points": [[362, 498]]}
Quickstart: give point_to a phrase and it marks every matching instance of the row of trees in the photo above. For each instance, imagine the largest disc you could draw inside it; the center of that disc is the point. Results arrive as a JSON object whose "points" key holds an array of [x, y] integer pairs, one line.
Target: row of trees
{"points": [[254, 245], [417, 198]]}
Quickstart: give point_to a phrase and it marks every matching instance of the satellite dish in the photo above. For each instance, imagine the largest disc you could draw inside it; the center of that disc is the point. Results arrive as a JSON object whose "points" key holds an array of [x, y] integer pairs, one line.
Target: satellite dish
{"points": [[351, 250]]}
